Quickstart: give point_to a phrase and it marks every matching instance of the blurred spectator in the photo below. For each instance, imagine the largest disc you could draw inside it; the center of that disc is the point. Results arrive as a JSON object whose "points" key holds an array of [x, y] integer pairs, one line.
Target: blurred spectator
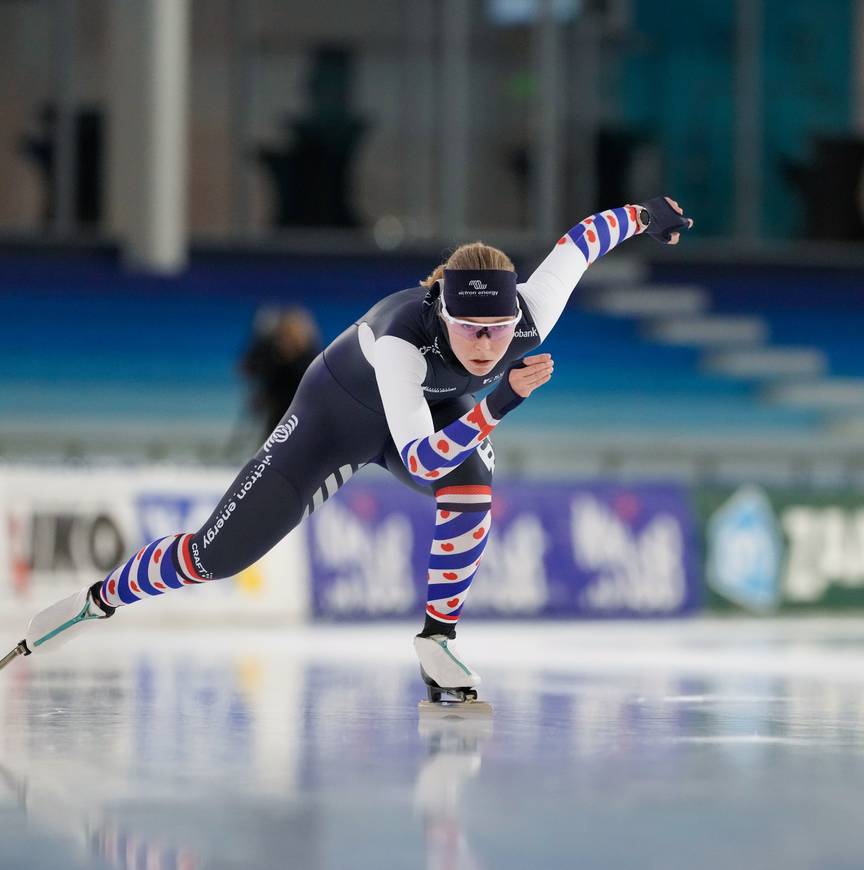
{"points": [[283, 344]]}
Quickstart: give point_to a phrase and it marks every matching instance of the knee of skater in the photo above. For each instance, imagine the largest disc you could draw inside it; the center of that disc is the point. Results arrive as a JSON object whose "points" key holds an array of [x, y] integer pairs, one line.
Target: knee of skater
{"points": [[200, 561], [194, 562], [471, 497]]}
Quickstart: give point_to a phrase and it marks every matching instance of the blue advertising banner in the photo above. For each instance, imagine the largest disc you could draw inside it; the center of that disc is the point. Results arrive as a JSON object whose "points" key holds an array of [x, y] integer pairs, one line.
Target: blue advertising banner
{"points": [[555, 550]]}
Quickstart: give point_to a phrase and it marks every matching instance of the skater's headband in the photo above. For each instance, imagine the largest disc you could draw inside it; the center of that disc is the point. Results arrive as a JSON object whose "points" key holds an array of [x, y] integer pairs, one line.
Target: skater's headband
{"points": [[480, 292]]}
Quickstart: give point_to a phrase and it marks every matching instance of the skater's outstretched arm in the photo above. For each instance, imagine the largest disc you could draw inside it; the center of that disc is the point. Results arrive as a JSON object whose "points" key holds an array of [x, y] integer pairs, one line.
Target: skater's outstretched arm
{"points": [[547, 290]]}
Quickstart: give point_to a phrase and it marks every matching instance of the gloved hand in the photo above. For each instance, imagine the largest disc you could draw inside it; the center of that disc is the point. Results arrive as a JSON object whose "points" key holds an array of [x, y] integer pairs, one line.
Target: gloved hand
{"points": [[666, 220]]}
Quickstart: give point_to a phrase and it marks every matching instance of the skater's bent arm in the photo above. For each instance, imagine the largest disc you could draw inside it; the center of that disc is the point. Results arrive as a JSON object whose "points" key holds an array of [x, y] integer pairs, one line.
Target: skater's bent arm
{"points": [[429, 455], [547, 290]]}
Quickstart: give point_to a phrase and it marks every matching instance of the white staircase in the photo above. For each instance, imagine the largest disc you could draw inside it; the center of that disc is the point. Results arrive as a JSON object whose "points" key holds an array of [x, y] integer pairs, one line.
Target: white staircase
{"points": [[737, 347]]}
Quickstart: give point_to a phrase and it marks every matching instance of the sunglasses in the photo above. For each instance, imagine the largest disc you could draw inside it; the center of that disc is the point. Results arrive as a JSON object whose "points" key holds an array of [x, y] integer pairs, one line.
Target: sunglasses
{"points": [[470, 329]]}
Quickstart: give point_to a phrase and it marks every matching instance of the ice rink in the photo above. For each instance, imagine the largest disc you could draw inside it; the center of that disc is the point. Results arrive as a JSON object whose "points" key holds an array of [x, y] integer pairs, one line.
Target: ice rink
{"points": [[709, 744]]}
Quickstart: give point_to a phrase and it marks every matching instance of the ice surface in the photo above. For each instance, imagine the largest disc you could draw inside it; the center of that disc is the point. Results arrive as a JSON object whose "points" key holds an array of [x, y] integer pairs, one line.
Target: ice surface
{"points": [[708, 744]]}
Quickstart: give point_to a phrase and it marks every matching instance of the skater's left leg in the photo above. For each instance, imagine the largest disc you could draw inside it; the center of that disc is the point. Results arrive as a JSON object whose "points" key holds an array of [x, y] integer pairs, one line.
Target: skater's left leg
{"points": [[463, 517]]}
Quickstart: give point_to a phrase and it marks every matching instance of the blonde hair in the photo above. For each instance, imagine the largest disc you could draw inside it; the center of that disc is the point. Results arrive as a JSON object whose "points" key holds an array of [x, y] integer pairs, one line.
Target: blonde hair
{"points": [[474, 255]]}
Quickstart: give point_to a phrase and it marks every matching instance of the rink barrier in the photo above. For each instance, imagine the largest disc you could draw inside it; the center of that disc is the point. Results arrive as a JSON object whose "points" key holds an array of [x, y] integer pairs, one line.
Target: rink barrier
{"points": [[586, 549]]}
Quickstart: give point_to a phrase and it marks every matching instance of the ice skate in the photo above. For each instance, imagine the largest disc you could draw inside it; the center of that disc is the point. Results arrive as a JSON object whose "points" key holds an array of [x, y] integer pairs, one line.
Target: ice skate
{"points": [[56, 625], [451, 684]]}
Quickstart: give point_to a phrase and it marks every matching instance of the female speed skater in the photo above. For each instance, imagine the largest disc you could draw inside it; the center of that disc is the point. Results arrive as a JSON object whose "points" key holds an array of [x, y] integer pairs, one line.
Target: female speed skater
{"points": [[394, 389]]}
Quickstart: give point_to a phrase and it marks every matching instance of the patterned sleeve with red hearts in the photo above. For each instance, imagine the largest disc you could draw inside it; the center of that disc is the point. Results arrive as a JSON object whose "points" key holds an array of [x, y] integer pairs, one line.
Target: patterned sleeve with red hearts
{"points": [[430, 458], [599, 233]]}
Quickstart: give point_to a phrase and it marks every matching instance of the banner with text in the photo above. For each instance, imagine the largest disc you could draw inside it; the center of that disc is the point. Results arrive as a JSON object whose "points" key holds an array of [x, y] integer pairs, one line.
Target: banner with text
{"points": [[555, 550], [64, 528], [771, 549]]}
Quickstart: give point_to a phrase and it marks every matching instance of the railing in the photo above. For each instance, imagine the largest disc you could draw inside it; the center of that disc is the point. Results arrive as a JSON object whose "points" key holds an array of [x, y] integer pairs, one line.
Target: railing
{"points": [[800, 460]]}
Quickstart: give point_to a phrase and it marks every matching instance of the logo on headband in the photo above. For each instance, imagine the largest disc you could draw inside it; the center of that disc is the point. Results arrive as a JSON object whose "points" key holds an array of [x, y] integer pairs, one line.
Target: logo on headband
{"points": [[477, 284]]}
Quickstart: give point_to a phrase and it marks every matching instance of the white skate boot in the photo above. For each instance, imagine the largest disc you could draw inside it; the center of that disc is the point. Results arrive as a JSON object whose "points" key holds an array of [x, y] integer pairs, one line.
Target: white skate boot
{"points": [[56, 625], [450, 682]]}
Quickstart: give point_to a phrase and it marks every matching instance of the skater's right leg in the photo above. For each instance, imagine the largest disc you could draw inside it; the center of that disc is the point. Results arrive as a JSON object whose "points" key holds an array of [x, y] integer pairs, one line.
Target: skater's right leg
{"points": [[325, 436], [258, 510]]}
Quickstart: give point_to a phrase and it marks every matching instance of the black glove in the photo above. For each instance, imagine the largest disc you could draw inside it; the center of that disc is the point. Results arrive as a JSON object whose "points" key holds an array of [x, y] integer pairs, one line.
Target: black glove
{"points": [[663, 220], [504, 398]]}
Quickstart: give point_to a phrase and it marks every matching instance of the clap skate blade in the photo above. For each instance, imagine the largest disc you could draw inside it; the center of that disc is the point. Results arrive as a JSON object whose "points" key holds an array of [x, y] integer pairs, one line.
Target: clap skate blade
{"points": [[452, 701], [20, 650]]}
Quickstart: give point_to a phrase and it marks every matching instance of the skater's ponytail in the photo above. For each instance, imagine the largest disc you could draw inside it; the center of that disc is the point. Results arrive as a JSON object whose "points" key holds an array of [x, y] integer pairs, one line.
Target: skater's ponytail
{"points": [[474, 255]]}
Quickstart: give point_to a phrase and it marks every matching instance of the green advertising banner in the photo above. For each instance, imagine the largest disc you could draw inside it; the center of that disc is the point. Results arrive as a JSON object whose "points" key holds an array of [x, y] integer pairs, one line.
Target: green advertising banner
{"points": [[771, 549]]}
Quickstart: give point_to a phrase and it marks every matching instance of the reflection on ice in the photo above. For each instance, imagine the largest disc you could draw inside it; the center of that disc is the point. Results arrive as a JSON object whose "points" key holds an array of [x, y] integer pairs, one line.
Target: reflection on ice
{"points": [[89, 834], [454, 748], [222, 750]]}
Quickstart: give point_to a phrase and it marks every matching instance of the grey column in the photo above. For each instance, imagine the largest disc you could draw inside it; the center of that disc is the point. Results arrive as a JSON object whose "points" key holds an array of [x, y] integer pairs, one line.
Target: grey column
{"points": [[148, 148], [122, 120], [453, 135], [420, 143], [546, 158], [242, 58], [748, 120]]}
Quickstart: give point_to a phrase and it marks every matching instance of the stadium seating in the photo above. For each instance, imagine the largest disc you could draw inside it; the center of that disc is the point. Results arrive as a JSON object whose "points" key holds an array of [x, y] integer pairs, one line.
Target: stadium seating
{"points": [[155, 353]]}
